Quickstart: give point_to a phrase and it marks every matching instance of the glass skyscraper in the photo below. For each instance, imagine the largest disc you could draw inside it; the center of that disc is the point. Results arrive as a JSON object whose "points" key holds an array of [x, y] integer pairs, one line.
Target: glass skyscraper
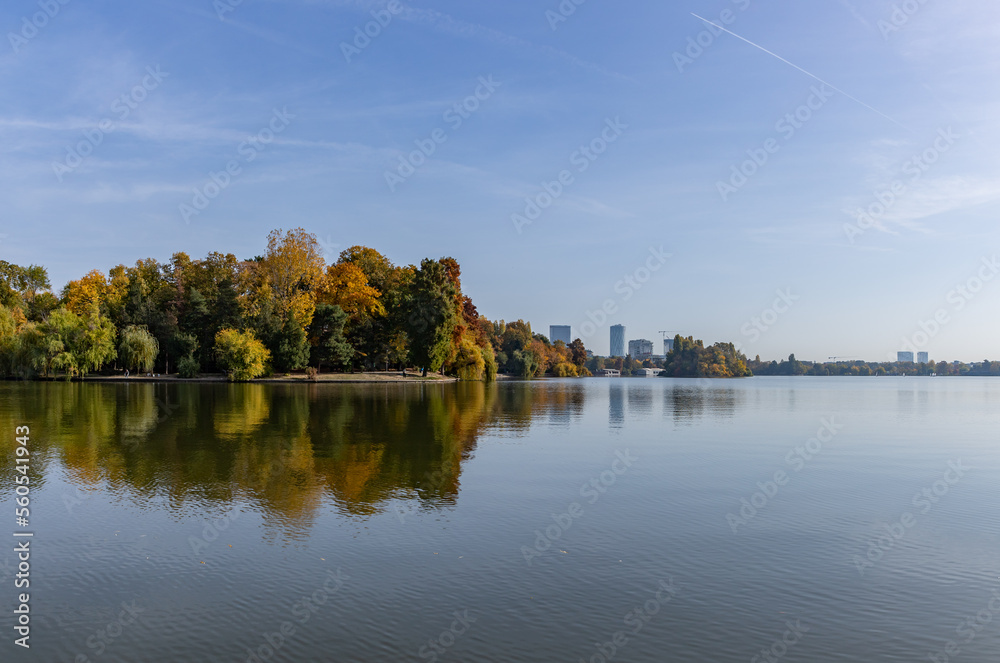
{"points": [[618, 340]]}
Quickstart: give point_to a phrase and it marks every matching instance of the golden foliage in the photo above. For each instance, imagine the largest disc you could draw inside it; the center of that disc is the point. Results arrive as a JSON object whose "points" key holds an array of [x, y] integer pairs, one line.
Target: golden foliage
{"points": [[85, 295], [346, 285], [293, 268]]}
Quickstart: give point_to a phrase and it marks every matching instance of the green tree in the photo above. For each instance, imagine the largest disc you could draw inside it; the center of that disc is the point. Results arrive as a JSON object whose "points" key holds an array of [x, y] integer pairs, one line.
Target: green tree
{"points": [[525, 363], [380, 339], [292, 352], [469, 363], [94, 345], [8, 340], [138, 348], [431, 315], [188, 367], [240, 354], [690, 358], [52, 346], [327, 337]]}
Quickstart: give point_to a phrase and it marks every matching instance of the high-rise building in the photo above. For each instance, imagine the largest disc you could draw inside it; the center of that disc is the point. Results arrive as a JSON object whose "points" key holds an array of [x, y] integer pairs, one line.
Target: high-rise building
{"points": [[562, 333], [618, 340], [923, 358], [668, 345], [640, 349], [904, 356]]}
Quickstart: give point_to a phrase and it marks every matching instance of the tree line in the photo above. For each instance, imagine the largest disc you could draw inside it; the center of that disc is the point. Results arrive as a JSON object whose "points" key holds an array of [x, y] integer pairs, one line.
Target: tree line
{"points": [[284, 311], [793, 366]]}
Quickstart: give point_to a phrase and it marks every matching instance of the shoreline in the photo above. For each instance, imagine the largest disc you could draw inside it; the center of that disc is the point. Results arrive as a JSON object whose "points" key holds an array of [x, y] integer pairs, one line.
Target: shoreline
{"points": [[338, 378]]}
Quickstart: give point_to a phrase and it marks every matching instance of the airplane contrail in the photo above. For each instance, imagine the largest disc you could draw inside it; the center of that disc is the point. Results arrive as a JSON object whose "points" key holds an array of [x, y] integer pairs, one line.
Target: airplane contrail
{"points": [[792, 64]]}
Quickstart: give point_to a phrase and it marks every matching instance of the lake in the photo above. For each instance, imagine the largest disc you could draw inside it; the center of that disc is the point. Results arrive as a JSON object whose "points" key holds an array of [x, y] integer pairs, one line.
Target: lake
{"points": [[795, 519]]}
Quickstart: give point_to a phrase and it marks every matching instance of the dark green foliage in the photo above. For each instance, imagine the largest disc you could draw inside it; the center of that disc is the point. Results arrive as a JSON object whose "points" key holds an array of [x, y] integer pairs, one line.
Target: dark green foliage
{"points": [[431, 315], [291, 349], [326, 334], [188, 367], [691, 359]]}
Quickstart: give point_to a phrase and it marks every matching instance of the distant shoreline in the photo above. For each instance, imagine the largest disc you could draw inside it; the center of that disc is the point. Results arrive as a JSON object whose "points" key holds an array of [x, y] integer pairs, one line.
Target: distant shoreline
{"points": [[395, 378], [337, 378]]}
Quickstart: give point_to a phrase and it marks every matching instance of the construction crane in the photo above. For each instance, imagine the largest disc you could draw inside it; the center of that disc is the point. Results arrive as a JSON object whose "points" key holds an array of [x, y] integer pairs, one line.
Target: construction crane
{"points": [[663, 335]]}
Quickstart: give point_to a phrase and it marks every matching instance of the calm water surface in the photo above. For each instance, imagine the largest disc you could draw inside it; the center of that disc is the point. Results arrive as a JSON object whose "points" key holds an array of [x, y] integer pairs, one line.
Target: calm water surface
{"points": [[627, 520]]}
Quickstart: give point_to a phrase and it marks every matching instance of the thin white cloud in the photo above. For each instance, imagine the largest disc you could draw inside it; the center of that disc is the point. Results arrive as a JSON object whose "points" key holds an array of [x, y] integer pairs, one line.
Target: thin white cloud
{"points": [[450, 25]]}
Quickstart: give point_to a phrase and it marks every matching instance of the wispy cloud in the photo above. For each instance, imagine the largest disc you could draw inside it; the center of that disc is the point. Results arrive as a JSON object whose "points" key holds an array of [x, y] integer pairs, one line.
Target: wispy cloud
{"points": [[448, 24]]}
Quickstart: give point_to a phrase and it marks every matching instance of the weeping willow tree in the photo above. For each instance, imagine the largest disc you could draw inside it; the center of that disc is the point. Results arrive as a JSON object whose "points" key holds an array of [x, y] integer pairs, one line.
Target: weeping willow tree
{"points": [[138, 348]]}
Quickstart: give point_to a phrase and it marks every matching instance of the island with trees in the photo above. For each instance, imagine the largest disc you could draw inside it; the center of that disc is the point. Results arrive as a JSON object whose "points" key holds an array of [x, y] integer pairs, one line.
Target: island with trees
{"points": [[283, 312]]}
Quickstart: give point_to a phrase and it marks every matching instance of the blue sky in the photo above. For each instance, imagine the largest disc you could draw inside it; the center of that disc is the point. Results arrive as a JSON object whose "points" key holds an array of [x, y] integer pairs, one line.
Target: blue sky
{"points": [[326, 131]]}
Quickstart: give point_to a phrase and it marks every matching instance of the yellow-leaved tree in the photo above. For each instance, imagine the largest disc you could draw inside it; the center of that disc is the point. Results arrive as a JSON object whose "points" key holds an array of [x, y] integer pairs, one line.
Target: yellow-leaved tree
{"points": [[292, 269], [346, 286], [240, 354], [84, 296]]}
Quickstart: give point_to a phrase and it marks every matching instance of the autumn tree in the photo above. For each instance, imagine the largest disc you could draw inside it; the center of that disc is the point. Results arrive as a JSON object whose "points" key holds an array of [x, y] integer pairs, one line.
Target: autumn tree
{"points": [[690, 358], [378, 270], [381, 338], [469, 363], [85, 294], [346, 285], [240, 354], [292, 269]]}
